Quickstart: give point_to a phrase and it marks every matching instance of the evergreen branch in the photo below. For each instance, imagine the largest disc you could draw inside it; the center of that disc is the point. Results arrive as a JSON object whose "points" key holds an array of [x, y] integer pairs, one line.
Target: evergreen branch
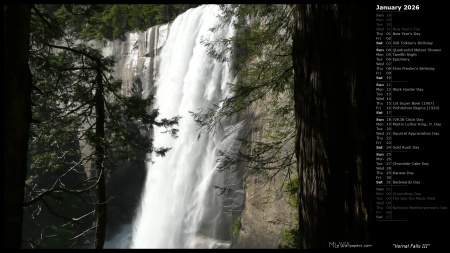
{"points": [[54, 189], [41, 16], [59, 215], [93, 58]]}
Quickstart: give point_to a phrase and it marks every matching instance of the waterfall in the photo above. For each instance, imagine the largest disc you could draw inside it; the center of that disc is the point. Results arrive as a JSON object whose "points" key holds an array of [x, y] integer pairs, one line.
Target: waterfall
{"points": [[178, 194]]}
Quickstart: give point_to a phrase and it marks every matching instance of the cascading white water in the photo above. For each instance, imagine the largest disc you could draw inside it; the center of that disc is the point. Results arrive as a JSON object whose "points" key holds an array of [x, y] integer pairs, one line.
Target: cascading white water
{"points": [[178, 185]]}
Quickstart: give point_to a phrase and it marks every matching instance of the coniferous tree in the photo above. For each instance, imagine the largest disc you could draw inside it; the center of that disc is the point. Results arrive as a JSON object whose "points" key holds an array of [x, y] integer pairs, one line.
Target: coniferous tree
{"points": [[82, 135], [17, 117]]}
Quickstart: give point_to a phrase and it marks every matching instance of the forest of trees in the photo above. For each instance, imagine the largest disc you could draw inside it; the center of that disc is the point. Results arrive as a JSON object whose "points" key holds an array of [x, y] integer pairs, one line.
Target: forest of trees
{"points": [[113, 21], [65, 119]]}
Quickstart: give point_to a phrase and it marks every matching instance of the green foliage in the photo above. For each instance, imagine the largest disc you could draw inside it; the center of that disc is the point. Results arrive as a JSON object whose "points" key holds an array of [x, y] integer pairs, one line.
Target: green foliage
{"points": [[237, 225], [51, 8], [75, 18], [260, 54], [113, 21], [290, 238], [292, 189]]}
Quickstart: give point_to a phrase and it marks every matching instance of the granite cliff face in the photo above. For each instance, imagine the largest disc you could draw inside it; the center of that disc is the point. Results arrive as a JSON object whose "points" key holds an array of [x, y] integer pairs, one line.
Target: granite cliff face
{"points": [[137, 58], [266, 212]]}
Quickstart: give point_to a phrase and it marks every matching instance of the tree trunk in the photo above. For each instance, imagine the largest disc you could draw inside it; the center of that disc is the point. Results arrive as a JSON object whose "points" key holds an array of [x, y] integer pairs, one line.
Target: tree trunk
{"points": [[100, 161], [331, 84], [17, 117]]}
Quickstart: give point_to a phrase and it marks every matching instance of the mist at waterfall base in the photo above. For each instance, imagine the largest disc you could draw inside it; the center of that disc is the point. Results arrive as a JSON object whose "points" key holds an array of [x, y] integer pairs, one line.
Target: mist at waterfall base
{"points": [[179, 206]]}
